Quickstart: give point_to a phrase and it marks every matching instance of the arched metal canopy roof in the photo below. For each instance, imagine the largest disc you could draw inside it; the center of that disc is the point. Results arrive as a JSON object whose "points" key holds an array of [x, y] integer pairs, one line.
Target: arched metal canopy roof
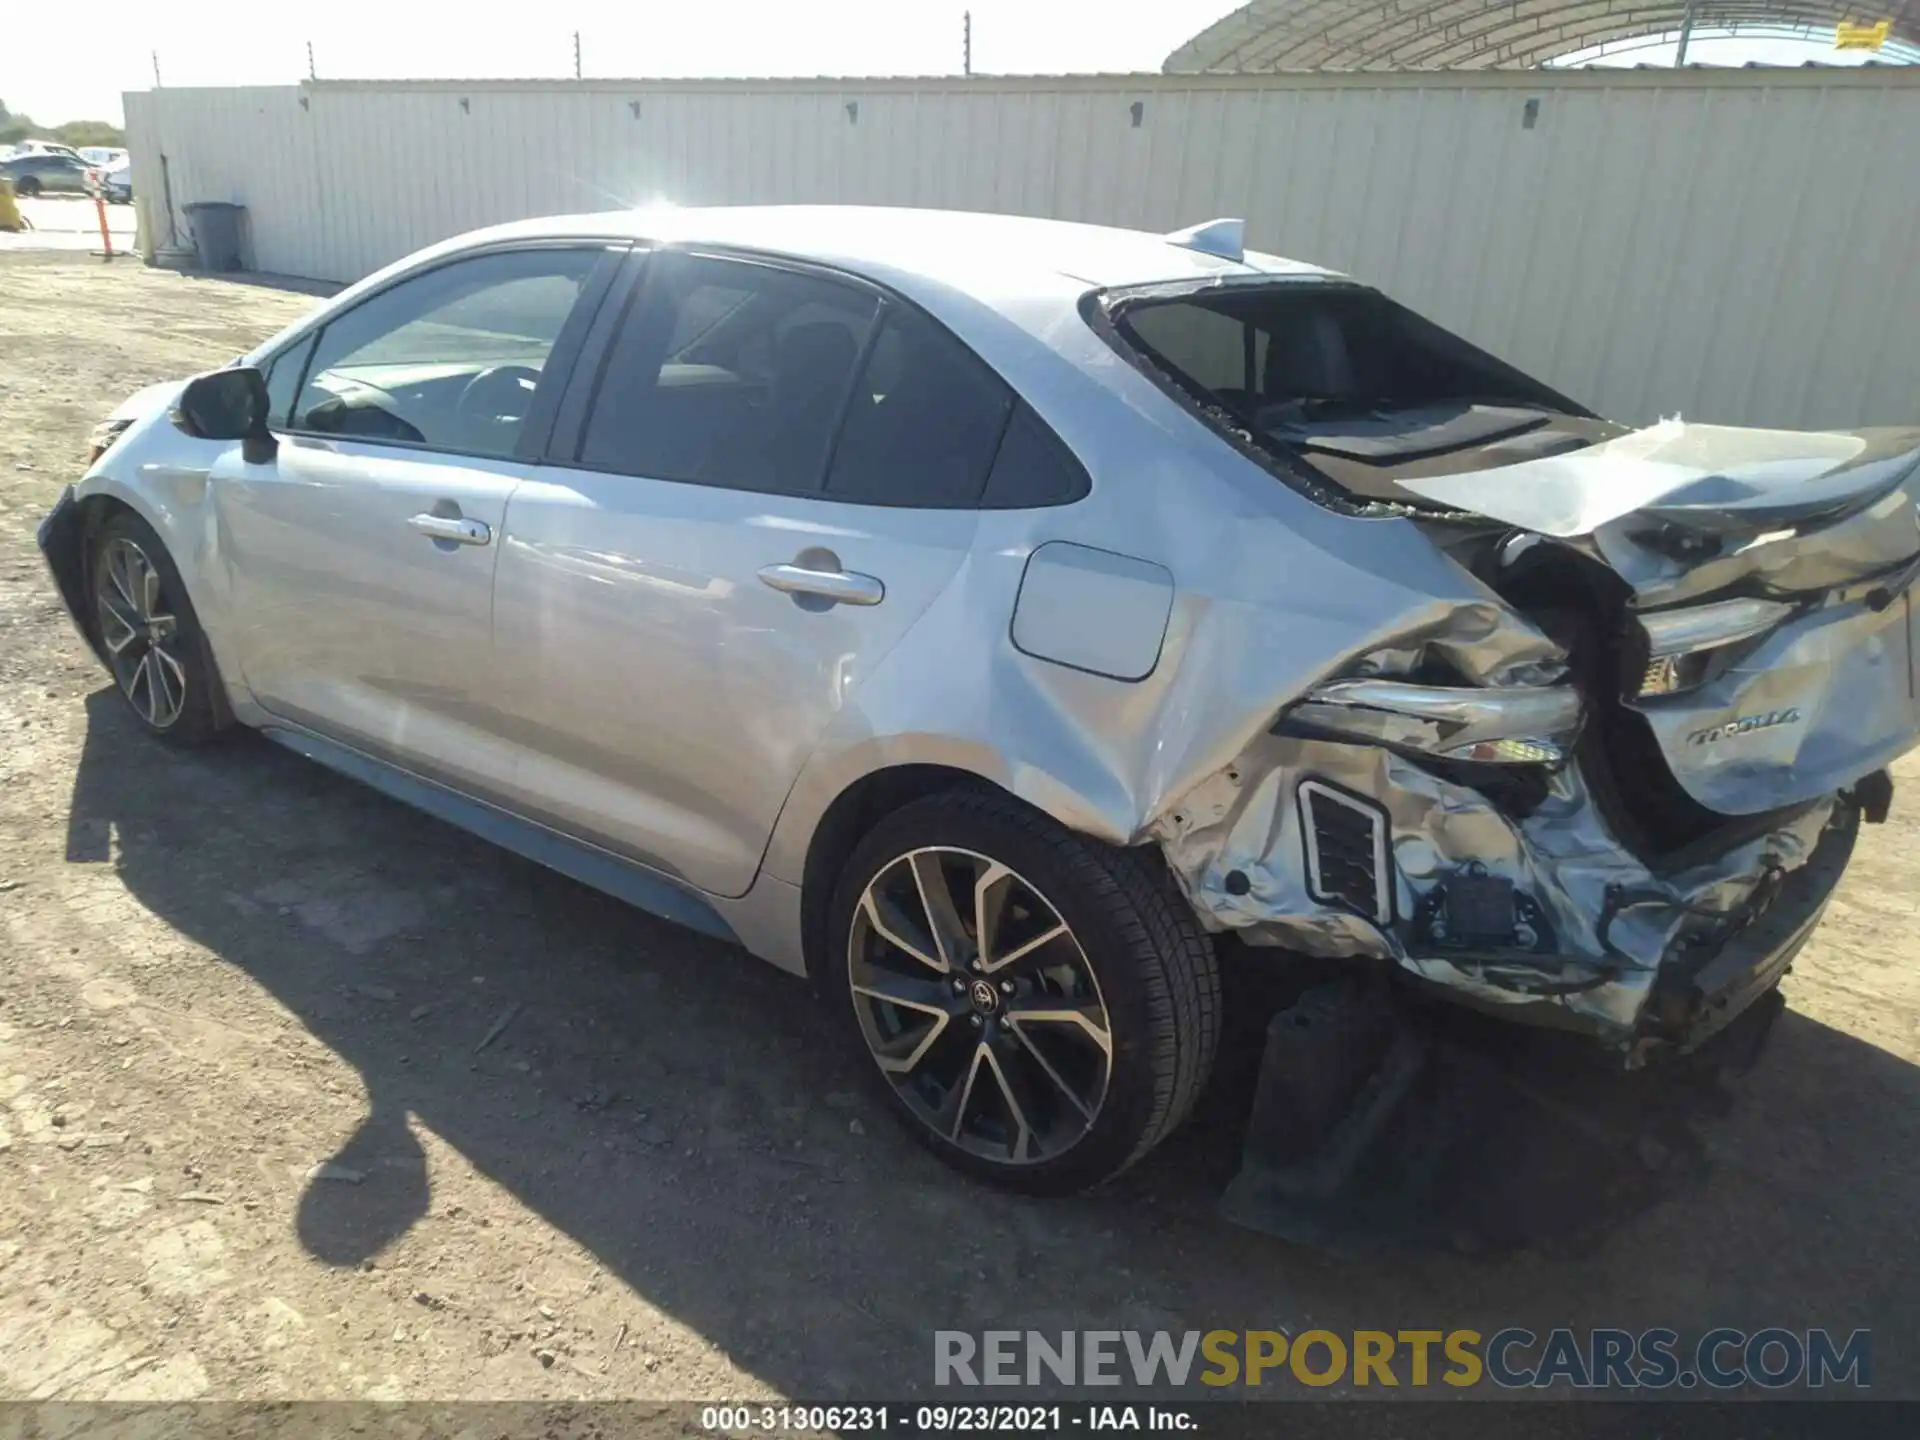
{"points": [[1482, 34]]}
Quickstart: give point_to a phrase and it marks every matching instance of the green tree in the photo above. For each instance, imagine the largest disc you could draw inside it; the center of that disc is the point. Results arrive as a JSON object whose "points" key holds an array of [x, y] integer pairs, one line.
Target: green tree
{"points": [[15, 127], [89, 132]]}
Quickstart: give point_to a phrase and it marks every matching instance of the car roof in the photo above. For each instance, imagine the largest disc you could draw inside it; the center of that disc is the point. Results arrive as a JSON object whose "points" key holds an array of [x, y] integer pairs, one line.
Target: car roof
{"points": [[945, 246]]}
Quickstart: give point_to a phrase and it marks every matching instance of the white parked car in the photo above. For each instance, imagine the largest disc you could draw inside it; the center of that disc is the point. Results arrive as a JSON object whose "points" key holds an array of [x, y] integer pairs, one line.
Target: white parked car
{"points": [[49, 147]]}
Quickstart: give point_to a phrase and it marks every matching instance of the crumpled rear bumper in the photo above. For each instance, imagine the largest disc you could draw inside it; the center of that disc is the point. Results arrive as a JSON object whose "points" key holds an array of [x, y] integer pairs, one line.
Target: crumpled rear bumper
{"points": [[1691, 1003], [1526, 906]]}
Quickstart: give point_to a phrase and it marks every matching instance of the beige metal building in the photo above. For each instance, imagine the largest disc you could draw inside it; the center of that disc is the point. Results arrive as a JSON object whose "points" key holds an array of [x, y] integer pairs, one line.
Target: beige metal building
{"points": [[1736, 245]]}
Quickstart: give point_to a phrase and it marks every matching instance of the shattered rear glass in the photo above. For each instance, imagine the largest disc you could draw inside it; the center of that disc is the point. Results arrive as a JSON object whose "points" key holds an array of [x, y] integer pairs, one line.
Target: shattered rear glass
{"points": [[1338, 381]]}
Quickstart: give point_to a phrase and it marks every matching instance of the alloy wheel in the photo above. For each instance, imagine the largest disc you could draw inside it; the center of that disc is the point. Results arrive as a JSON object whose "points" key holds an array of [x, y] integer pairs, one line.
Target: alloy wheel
{"points": [[140, 632], [979, 1006]]}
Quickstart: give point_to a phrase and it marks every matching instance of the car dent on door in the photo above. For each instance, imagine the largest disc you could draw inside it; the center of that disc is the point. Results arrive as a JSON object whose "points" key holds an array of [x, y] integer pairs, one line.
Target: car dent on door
{"points": [[672, 653]]}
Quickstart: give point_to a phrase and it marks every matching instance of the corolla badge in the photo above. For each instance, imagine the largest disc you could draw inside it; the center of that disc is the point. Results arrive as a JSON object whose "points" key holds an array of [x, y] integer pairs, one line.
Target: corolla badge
{"points": [[1744, 725]]}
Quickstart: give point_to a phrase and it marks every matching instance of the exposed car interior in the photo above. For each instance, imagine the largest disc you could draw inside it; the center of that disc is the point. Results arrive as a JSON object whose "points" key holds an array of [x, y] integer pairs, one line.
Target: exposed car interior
{"points": [[1361, 389]]}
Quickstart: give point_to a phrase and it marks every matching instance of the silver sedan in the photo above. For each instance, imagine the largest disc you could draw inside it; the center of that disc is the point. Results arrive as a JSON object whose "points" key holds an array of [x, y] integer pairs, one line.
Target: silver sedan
{"points": [[1009, 624], [48, 174]]}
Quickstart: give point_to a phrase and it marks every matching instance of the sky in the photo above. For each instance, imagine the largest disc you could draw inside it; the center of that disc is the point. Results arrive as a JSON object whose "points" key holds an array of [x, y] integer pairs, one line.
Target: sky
{"points": [[56, 71], [57, 75]]}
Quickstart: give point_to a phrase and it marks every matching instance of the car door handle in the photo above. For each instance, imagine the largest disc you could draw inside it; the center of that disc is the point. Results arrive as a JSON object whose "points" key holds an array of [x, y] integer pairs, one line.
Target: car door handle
{"points": [[452, 527], [847, 587]]}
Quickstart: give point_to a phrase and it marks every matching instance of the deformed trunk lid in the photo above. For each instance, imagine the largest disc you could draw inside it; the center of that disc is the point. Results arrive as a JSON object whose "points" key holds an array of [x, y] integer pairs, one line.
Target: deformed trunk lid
{"points": [[1718, 479], [1688, 514]]}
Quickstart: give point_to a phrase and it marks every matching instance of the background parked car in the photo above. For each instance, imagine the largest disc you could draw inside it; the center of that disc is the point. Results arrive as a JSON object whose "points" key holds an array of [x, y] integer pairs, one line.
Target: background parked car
{"points": [[49, 147], [34, 174], [104, 157]]}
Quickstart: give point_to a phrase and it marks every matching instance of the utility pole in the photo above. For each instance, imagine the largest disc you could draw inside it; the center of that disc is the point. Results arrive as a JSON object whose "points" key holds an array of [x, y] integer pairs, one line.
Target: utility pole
{"points": [[312, 74], [576, 54], [1686, 34], [156, 69], [966, 42]]}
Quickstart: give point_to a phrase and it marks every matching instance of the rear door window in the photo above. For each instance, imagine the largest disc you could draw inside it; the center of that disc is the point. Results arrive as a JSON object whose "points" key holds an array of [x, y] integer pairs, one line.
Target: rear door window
{"points": [[924, 421], [728, 373], [1033, 467]]}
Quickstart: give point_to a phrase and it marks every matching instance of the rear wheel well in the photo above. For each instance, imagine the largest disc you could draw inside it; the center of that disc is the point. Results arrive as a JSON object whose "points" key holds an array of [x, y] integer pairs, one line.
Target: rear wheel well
{"points": [[856, 810]]}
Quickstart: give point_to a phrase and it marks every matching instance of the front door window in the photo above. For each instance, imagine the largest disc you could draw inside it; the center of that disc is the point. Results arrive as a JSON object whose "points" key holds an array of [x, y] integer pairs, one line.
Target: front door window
{"points": [[450, 359]]}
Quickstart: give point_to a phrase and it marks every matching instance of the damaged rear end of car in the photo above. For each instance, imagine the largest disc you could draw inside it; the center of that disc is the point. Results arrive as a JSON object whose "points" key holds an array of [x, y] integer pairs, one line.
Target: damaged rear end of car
{"points": [[1614, 793]]}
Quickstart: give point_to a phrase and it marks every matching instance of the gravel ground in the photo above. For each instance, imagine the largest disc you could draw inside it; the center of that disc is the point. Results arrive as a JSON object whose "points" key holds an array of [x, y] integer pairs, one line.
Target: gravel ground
{"points": [[252, 1145]]}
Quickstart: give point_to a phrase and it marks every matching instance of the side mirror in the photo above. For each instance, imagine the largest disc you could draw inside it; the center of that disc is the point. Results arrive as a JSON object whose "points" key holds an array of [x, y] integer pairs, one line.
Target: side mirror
{"points": [[228, 405]]}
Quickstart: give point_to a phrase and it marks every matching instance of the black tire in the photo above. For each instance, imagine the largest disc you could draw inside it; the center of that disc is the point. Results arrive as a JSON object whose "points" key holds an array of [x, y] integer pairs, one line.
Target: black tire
{"points": [[26, 187], [202, 711], [1156, 973]]}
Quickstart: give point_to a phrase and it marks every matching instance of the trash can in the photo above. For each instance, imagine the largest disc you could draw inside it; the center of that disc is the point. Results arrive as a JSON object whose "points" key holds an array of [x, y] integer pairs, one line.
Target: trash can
{"points": [[216, 234]]}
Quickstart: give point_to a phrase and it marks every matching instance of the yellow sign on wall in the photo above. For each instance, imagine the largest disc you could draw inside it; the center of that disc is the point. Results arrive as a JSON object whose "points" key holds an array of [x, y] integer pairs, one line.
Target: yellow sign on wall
{"points": [[1849, 35]]}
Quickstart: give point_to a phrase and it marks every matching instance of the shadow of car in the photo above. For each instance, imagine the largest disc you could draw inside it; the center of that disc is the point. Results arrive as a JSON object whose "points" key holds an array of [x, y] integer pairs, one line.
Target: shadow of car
{"points": [[666, 1124]]}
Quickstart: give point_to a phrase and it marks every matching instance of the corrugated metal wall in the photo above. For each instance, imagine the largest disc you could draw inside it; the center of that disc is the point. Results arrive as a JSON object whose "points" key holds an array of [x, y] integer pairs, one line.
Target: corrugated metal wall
{"points": [[1738, 245]]}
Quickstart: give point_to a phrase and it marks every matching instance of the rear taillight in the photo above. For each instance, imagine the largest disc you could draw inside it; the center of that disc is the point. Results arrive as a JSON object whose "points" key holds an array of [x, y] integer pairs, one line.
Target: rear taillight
{"points": [[1681, 644], [1510, 725]]}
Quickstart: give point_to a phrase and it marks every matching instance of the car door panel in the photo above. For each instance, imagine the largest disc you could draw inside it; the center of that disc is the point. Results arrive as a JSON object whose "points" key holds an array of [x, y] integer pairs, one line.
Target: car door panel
{"points": [[682, 605], [349, 616], [667, 696], [361, 556]]}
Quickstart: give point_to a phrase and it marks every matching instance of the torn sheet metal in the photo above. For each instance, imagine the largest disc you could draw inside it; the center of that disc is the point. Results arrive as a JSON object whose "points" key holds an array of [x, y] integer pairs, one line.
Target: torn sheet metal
{"points": [[1601, 923], [1483, 641]]}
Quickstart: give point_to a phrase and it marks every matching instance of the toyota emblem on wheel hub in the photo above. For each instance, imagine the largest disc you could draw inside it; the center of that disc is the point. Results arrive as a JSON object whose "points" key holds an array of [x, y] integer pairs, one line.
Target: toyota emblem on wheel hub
{"points": [[984, 999]]}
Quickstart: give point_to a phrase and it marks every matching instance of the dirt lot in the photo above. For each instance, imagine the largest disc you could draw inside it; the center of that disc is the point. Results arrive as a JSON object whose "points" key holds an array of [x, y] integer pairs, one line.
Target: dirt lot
{"points": [[68, 222], [223, 970]]}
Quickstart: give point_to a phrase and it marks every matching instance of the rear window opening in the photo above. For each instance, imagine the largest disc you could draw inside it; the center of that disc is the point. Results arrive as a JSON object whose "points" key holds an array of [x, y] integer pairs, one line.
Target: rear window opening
{"points": [[1350, 384]]}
